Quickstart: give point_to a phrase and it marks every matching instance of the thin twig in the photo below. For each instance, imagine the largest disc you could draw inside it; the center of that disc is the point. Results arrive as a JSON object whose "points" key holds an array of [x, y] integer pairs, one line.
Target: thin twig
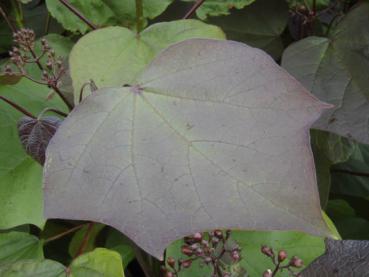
{"points": [[86, 237], [7, 20], [67, 232], [70, 7], [17, 107], [193, 9], [51, 110], [139, 16], [53, 86], [361, 174]]}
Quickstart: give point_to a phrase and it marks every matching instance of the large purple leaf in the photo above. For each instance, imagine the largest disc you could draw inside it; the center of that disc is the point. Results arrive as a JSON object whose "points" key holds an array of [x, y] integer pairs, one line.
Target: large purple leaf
{"points": [[213, 134]]}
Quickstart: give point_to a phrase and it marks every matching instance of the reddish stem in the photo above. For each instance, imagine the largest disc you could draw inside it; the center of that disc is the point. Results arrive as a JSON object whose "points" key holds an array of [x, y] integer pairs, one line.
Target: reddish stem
{"points": [[17, 107], [85, 240], [193, 9], [70, 7]]}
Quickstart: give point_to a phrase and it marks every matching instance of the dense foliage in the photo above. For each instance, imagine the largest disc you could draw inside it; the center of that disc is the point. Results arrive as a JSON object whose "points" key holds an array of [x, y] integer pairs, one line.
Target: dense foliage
{"points": [[147, 138]]}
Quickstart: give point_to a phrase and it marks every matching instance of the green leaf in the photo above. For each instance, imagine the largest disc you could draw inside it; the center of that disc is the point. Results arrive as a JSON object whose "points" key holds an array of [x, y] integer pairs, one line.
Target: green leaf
{"points": [[15, 246], [32, 268], [212, 133], [335, 70], [99, 263], [116, 56], [344, 179], [125, 11], [304, 246], [95, 10], [104, 12], [119, 243], [216, 7], [78, 237], [20, 176], [350, 225], [259, 25], [328, 149]]}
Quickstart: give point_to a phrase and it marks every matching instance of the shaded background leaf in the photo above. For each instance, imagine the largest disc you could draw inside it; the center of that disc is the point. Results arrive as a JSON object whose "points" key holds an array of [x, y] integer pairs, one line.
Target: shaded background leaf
{"points": [[259, 25]]}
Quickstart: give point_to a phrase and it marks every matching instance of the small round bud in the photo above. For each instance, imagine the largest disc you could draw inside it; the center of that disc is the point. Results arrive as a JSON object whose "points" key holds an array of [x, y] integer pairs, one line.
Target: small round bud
{"points": [[187, 250], [205, 243], [268, 273], [218, 234], [194, 246], [226, 274], [199, 251], [235, 255], [207, 260], [49, 65], [214, 240], [171, 262], [197, 236], [169, 274], [296, 262], [186, 263], [282, 255], [267, 251]]}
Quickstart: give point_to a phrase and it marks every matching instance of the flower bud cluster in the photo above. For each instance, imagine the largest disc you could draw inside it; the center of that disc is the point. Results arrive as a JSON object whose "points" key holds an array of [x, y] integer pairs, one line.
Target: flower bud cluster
{"points": [[281, 262], [23, 53], [209, 249]]}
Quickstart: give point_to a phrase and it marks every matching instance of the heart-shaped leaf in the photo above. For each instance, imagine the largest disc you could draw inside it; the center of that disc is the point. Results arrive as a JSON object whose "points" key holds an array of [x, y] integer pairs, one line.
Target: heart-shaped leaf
{"points": [[128, 54], [213, 134], [35, 135], [45, 268], [335, 70], [100, 262], [17, 246]]}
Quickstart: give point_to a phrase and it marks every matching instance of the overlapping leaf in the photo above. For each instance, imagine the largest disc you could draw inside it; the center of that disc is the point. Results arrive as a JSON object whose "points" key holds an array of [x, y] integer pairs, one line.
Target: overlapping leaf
{"points": [[216, 7], [335, 70], [213, 134], [20, 182], [104, 12], [302, 245], [116, 56], [259, 24]]}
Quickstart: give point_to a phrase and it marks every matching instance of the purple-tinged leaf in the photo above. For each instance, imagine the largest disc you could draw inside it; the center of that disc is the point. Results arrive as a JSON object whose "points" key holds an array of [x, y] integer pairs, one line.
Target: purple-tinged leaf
{"points": [[35, 135], [213, 134]]}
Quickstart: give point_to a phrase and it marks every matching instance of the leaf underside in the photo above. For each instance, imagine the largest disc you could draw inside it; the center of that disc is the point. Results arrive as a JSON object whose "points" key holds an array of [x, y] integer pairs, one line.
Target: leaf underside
{"points": [[213, 134]]}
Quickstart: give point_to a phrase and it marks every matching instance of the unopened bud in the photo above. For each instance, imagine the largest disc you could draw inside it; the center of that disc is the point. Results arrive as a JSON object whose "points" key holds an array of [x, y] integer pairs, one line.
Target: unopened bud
{"points": [[267, 251], [169, 274], [197, 236], [282, 255], [296, 262], [235, 255], [187, 250], [186, 263], [171, 262], [268, 273], [218, 234]]}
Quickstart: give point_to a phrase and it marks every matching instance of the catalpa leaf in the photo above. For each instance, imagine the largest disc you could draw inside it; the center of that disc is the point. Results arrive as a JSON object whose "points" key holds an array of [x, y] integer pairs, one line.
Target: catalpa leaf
{"points": [[335, 70], [213, 134], [128, 54], [35, 135]]}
